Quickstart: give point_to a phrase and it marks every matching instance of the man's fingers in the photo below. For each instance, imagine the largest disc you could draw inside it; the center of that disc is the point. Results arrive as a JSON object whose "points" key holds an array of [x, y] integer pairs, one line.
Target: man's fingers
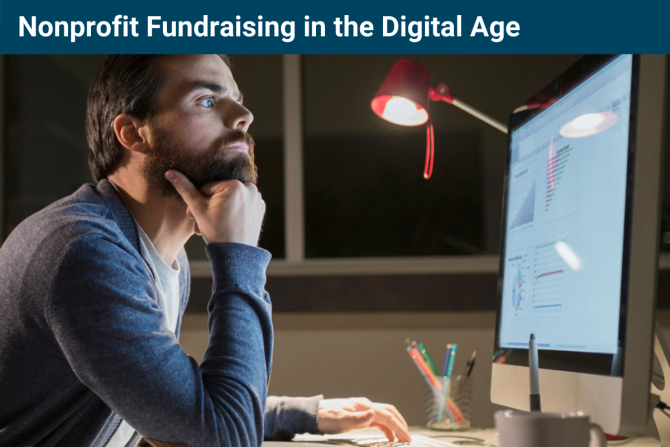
{"points": [[360, 419], [209, 189], [387, 431], [186, 190], [356, 413], [363, 403], [386, 415], [384, 419], [397, 414], [387, 418]]}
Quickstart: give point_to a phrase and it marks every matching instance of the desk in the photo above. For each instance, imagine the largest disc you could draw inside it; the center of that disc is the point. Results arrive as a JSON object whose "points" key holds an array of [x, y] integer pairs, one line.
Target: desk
{"points": [[485, 437]]}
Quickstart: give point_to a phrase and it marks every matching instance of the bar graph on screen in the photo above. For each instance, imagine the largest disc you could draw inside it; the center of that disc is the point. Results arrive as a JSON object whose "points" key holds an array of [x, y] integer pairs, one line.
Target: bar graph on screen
{"points": [[556, 170], [526, 205], [548, 280]]}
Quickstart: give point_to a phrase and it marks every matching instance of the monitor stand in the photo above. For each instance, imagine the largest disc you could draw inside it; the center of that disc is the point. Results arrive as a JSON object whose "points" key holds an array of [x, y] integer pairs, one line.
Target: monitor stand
{"points": [[663, 355]]}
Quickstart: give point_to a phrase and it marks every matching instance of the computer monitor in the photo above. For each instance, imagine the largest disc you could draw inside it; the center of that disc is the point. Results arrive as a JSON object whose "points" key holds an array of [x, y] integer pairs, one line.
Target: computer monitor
{"points": [[580, 243]]}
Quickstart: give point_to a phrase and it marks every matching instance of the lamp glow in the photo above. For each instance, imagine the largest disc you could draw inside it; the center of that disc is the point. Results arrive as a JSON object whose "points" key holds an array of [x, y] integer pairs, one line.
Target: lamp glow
{"points": [[588, 124], [404, 112], [588, 121], [568, 255], [404, 99]]}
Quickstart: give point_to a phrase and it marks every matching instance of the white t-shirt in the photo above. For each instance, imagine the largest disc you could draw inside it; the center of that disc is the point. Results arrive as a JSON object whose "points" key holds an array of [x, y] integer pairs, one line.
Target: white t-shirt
{"points": [[167, 285], [167, 281]]}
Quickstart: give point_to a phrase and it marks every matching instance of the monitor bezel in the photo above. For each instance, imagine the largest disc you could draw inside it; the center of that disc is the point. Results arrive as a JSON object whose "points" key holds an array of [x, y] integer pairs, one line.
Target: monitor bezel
{"points": [[570, 361]]}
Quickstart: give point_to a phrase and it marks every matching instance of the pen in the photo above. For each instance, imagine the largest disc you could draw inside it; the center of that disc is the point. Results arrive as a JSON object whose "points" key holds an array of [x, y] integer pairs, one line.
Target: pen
{"points": [[468, 367], [446, 360], [433, 382], [534, 375], [427, 358], [452, 357], [423, 368], [471, 364], [445, 365], [456, 413], [446, 380]]}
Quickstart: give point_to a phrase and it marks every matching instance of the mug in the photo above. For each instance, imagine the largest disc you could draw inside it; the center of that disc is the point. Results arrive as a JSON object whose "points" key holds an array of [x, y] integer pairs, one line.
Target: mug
{"points": [[521, 429]]}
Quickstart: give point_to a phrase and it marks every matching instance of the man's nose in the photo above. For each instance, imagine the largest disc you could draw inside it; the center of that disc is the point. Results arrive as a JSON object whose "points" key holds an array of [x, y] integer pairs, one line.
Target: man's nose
{"points": [[238, 117]]}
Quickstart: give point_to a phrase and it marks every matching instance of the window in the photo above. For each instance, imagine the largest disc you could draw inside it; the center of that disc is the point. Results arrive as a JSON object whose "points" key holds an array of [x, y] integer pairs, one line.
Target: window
{"points": [[46, 151], [365, 195], [351, 222]]}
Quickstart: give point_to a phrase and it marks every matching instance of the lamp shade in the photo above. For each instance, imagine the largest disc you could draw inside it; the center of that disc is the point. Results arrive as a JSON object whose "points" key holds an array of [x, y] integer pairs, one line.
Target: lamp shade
{"points": [[403, 97]]}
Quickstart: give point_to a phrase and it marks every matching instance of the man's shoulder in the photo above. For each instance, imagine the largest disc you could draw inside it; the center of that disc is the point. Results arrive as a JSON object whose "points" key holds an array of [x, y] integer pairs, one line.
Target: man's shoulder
{"points": [[81, 217], [74, 239]]}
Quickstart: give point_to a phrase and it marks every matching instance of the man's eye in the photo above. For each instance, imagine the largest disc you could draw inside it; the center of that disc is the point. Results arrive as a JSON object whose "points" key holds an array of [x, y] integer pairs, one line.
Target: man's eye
{"points": [[207, 102]]}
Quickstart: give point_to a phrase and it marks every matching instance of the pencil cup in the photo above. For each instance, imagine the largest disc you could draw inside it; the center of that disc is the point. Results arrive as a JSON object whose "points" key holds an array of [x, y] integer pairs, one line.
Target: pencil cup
{"points": [[454, 412]]}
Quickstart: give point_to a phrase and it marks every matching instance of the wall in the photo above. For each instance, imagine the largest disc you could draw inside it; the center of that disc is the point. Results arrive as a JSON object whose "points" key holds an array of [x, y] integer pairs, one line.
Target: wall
{"points": [[344, 355]]}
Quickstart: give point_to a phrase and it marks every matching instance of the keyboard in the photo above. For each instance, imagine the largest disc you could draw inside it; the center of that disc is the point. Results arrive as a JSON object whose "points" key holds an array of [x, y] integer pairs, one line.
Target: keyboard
{"points": [[417, 441]]}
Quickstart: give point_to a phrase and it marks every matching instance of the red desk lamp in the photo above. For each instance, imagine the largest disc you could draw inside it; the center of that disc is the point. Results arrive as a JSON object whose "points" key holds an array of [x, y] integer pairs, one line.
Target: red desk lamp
{"points": [[405, 95], [404, 99]]}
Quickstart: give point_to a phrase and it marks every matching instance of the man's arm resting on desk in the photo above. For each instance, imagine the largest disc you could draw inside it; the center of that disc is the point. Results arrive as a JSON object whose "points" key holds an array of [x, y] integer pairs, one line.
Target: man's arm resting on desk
{"points": [[287, 416], [106, 320]]}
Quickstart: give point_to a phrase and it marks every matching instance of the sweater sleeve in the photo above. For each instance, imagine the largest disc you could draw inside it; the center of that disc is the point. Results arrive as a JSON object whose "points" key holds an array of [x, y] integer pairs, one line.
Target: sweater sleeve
{"points": [[103, 312], [287, 416]]}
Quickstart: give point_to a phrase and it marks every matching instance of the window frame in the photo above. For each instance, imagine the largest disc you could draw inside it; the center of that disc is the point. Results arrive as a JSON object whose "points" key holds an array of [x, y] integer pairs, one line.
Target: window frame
{"points": [[295, 263]]}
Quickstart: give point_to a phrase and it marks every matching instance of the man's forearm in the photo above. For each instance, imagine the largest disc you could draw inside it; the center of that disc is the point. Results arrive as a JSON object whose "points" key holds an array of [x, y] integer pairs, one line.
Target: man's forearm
{"points": [[118, 347], [287, 416]]}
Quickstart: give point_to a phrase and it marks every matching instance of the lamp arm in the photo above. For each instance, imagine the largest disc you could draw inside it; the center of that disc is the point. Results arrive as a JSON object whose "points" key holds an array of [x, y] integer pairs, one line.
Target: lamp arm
{"points": [[477, 114], [441, 93]]}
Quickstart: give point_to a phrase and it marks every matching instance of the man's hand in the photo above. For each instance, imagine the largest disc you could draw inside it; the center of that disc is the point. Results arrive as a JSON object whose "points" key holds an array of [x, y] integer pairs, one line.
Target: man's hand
{"points": [[342, 415], [227, 211]]}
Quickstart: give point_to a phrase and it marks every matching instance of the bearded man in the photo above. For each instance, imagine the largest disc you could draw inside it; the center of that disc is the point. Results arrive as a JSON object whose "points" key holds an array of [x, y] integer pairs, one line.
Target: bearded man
{"points": [[93, 287]]}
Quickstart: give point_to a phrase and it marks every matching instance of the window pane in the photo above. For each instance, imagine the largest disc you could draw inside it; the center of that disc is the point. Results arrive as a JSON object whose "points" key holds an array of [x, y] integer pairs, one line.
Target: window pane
{"points": [[364, 189], [46, 152]]}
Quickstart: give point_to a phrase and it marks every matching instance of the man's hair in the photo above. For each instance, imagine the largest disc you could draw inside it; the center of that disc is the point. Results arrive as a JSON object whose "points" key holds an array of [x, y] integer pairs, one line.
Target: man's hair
{"points": [[125, 84]]}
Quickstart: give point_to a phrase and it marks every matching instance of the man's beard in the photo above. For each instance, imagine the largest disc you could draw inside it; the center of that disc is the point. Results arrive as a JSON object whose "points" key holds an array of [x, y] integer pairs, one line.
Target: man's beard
{"points": [[215, 164]]}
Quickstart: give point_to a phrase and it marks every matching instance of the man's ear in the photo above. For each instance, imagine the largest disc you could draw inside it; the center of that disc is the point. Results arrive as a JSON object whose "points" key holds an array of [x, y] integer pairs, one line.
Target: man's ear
{"points": [[132, 133]]}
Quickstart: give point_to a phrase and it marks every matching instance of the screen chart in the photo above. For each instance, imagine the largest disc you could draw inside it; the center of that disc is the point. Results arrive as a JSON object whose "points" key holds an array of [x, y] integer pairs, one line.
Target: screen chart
{"points": [[565, 212]]}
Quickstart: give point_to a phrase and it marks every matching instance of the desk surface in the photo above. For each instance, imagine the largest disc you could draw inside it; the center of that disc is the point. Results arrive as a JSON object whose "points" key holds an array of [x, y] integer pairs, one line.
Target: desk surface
{"points": [[475, 437]]}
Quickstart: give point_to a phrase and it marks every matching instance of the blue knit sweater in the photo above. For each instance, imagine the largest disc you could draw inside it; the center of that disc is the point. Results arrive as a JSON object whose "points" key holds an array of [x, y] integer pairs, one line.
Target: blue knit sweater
{"points": [[83, 342]]}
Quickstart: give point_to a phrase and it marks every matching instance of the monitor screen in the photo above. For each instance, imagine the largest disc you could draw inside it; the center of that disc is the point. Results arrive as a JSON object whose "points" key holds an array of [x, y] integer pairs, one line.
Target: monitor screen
{"points": [[565, 218]]}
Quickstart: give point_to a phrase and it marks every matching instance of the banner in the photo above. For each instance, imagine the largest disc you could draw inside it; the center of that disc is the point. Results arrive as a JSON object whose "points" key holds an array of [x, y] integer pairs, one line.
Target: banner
{"points": [[345, 27]]}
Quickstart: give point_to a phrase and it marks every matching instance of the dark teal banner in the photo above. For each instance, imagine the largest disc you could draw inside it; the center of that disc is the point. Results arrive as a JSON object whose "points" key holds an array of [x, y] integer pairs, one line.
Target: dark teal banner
{"points": [[353, 27]]}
